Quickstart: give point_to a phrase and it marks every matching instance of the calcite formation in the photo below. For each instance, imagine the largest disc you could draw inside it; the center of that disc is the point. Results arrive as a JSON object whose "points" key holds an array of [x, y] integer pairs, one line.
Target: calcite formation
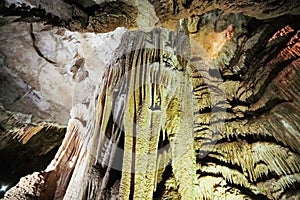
{"points": [[202, 102]]}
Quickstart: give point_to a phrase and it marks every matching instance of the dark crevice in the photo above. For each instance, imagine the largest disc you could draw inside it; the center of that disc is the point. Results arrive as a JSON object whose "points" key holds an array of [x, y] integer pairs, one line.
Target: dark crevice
{"points": [[27, 13], [203, 110], [187, 4], [248, 192], [249, 54], [2, 129], [253, 138], [253, 24], [199, 130], [273, 26], [212, 109], [242, 189], [290, 188], [12, 170], [203, 173], [101, 170], [236, 119], [231, 77], [119, 13], [269, 53], [211, 89], [254, 54], [236, 102], [250, 115], [204, 161], [114, 176], [266, 177], [274, 49], [37, 48], [114, 171], [266, 108], [18, 160], [163, 143], [218, 120], [272, 75], [110, 126], [175, 7], [161, 186]]}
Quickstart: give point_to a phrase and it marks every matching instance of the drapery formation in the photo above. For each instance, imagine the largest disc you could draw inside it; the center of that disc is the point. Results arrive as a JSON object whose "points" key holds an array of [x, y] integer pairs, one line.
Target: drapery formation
{"points": [[242, 139], [167, 122], [140, 121]]}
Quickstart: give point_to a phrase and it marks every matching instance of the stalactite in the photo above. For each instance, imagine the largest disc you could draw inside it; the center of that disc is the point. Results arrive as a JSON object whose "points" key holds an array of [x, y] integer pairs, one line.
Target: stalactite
{"points": [[277, 159], [223, 125]]}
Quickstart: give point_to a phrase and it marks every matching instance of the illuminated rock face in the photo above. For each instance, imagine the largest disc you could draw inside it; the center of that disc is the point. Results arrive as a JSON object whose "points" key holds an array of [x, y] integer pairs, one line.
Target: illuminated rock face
{"points": [[206, 111]]}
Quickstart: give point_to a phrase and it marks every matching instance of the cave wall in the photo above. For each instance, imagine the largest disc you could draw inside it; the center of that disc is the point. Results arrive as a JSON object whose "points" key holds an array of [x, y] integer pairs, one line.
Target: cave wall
{"points": [[37, 89], [253, 62]]}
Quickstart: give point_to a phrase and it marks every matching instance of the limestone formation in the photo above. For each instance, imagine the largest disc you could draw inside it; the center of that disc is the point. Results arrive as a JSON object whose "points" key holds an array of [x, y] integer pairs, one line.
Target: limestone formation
{"points": [[191, 100]]}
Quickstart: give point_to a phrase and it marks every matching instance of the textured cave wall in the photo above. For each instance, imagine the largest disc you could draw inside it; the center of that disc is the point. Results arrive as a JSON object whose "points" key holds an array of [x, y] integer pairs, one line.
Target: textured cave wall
{"points": [[246, 140], [37, 95], [35, 72]]}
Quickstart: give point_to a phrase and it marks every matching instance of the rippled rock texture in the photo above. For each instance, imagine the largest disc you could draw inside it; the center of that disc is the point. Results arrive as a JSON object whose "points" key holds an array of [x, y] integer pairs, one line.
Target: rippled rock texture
{"points": [[205, 105]]}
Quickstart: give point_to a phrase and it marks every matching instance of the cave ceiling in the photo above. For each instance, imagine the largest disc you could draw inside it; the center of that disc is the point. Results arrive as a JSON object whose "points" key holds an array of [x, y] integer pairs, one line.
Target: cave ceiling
{"points": [[57, 56], [41, 40]]}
